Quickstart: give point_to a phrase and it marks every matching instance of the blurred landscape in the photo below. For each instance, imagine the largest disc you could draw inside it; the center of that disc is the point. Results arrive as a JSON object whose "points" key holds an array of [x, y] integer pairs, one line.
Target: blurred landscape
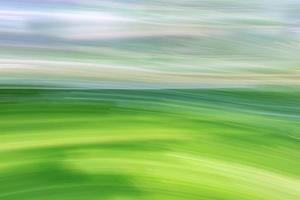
{"points": [[149, 44], [149, 100]]}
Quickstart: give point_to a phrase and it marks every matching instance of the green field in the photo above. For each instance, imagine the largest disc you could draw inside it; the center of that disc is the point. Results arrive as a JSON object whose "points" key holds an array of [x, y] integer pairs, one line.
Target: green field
{"points": [[210, 144]]}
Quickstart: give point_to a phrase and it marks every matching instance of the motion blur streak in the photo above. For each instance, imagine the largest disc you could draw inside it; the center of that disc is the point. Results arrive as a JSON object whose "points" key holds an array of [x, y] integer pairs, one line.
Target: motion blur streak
{"points": [[149, 100], [153, 44]]}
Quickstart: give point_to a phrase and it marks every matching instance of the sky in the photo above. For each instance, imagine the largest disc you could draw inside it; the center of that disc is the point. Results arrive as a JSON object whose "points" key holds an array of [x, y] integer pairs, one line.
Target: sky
{"points": [[137, 44]]}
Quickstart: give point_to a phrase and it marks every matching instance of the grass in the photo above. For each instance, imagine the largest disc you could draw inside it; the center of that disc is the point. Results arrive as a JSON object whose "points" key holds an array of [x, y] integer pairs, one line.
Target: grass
{"points": [[221, 144]]}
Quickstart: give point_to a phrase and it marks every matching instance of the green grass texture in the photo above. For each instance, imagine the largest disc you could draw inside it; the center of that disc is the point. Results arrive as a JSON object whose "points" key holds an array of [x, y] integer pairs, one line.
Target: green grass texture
{"points": [[184, 144]]}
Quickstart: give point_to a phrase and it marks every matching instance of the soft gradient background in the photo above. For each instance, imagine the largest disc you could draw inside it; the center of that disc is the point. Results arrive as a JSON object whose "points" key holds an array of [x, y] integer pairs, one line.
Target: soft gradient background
{"points": [[149, 100]]}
